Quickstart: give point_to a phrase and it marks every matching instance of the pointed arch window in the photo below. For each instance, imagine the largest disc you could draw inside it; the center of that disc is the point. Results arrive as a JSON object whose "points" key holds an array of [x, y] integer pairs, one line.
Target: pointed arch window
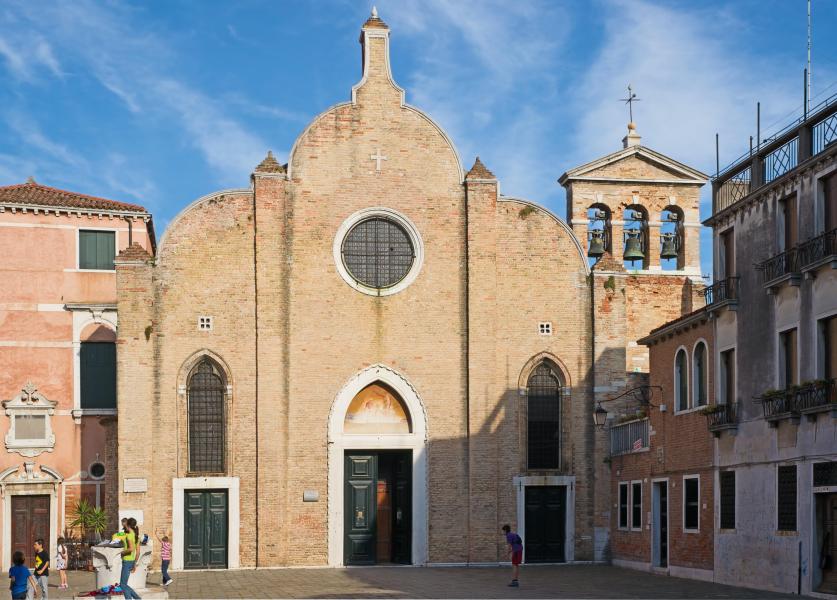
{"points": [[681, 381], [207, 419], [543, 418]]}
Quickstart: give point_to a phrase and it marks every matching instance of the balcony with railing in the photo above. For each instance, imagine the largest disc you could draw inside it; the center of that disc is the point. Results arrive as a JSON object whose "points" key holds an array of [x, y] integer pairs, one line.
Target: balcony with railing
{"points": [[722, 293], [773, 158], [721, 417], [629, 437], [809, 398], [819, 251], [784, 267]]}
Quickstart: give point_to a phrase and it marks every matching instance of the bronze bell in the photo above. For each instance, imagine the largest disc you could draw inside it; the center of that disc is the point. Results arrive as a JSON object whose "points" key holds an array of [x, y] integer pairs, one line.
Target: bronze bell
{"points": [[596, 248], [633, 246], [669, 249]]}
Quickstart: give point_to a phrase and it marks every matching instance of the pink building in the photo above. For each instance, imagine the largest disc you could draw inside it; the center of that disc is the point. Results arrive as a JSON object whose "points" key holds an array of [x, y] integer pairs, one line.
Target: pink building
{"points": [[57, 356]]}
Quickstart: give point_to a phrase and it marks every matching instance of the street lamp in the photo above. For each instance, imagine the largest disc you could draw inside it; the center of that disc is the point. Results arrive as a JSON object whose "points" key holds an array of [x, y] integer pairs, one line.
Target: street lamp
{"points": [[599, 416]]}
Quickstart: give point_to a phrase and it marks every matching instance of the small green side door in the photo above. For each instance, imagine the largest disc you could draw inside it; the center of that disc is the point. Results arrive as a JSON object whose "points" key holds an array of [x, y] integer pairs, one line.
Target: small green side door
{"points": [[361, 474], [205, 535]]}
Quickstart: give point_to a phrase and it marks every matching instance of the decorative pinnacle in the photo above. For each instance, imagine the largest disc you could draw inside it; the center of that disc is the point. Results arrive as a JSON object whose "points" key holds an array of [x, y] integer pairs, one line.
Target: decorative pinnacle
{"points": [[374, 12], [269, 165], [30, 179]]}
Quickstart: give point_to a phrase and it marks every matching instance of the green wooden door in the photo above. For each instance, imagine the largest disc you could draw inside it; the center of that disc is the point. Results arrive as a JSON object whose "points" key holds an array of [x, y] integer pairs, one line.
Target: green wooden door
{"points": [[98, 374], [361, 474], [205, 535]]}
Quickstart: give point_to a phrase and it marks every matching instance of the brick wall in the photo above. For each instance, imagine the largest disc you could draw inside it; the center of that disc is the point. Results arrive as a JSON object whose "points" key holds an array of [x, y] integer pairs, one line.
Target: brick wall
{"points": [[680, 445]]}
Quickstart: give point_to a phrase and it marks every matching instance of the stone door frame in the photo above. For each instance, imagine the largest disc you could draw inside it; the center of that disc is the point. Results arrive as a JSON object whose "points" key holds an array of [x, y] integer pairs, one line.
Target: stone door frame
{"points": [[179, 486], [339, 442], [522, 482]]}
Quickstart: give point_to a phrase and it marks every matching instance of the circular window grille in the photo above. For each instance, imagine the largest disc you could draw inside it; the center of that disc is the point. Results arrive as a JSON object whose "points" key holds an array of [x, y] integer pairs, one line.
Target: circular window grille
{"points": [[378, 253], [97, 470]]}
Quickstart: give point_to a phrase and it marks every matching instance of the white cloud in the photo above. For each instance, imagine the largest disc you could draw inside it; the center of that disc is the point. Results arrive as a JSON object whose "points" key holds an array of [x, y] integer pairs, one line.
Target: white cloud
{"points": [[25, 56], [129, 64], [691, 80], [487, 73]]}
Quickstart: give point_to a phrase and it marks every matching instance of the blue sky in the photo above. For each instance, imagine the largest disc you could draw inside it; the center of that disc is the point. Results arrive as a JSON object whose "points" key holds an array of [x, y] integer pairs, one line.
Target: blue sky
{"points": [[162, 102]]}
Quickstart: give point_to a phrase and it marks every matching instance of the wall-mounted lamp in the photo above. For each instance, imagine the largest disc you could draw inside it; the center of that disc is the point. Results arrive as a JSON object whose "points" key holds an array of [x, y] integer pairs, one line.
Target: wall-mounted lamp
{"points": [[599, 416]]}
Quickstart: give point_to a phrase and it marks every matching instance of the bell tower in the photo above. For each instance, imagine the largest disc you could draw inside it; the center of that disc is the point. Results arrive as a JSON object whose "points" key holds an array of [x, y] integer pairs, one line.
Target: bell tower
{"points": [[636, 213]]}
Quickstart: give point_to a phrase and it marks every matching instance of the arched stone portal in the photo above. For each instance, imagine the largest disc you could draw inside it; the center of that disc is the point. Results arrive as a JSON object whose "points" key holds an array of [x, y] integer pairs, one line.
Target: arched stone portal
{"points": [[377, 414]]}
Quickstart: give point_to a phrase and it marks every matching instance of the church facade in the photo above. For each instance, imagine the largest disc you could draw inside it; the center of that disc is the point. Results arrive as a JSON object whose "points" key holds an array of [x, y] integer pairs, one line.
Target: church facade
{"points": [[371, 356]]}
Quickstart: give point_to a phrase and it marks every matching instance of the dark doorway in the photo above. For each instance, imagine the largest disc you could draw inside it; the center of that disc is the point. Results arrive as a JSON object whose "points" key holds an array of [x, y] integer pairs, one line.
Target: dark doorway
{"points": [[205, 535], [378, 507], [546, 518], [659, 516], [30, 521]]}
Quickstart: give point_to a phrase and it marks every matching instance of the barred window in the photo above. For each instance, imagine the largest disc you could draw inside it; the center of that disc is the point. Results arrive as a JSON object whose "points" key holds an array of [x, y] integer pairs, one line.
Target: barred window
{"points": [[544, 419], [727, 493], [786, 498], [378, 252], [206, 419]]}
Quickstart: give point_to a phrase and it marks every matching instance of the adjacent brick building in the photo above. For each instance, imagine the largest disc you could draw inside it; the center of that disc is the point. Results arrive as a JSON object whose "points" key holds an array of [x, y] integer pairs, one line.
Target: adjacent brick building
{"points": [[57, 356], [662, 457], [370, 355]]}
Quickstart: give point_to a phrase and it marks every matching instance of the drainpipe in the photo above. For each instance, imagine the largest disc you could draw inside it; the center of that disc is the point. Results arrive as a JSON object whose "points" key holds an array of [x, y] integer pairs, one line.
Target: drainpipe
{"points": [[130, 231]]}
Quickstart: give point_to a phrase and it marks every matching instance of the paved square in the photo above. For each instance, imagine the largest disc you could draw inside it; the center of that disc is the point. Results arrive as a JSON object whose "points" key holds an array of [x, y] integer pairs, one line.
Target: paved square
{"points": [[575, 581]]}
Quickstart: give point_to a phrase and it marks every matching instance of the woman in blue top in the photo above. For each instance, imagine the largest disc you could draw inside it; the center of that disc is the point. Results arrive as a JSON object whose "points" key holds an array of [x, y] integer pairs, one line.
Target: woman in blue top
{"points": [[20, 576]]}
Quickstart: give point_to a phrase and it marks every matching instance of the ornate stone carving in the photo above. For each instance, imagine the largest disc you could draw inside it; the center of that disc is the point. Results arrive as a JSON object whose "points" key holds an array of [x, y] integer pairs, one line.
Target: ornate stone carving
{"points": [[29, 403]]}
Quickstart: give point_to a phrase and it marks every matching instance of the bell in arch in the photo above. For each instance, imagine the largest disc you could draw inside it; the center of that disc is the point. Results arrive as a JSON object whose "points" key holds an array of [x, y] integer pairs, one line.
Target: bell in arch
{"points": [[633, 246], [669, 249], [596, 247]]}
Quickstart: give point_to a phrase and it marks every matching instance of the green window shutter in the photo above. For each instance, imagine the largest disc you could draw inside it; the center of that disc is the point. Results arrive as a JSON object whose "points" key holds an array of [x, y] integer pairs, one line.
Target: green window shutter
{"points": [[98, 375], [96, 249]]}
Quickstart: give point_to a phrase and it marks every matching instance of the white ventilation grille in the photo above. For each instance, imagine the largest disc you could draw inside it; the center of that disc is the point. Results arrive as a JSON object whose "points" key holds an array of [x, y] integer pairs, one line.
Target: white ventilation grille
{"points": [[205, 323], [545, 328]]}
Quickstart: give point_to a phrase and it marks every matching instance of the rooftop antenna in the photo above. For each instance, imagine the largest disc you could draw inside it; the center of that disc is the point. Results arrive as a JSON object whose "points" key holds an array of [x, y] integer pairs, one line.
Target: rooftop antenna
{"points": [[808, 102], [629, 101]]}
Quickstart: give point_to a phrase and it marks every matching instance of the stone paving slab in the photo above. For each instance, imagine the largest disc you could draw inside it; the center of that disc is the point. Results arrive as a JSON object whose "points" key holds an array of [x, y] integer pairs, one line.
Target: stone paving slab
{"points": [[570, 581]]}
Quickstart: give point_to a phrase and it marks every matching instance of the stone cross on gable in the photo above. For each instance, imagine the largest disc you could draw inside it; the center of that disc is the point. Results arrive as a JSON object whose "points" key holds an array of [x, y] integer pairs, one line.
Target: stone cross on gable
{"points": [[377, 157]]}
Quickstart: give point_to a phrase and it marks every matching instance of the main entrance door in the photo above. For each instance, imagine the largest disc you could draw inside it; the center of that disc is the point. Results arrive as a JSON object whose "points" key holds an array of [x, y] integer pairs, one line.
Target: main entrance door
{"points": [[205, 535], [546, 518], [30, 521], [377, 512]]}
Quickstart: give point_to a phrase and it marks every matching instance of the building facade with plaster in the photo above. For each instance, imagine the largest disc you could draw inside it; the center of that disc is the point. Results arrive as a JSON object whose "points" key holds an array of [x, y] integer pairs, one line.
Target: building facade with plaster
{"points": [[774, 307], [58, 356]]}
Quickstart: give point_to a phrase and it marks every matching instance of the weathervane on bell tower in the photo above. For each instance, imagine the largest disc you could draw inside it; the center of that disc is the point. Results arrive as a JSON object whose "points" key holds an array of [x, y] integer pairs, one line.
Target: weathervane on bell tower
{"points": [[630, 102]]}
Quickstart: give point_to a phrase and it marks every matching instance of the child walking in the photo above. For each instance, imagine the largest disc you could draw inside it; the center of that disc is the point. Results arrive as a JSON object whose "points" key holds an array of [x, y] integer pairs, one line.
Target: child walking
{"points": [[41, 569], [20, 577], [515, 553], [165, 557], [61, 563]]}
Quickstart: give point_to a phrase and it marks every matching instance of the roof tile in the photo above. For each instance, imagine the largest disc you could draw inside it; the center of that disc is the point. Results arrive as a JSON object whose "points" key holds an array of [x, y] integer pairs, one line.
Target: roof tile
{"points": [[31, 193]]}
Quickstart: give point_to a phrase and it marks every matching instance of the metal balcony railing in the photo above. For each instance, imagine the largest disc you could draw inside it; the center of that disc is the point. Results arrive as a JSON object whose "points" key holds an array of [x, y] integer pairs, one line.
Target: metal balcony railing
{"points": [[785, 263], [629, 437], [818, 249], [733, 189], [781, 160], [722, 416], [825, 133], [725, 290], [811, 396], [772, 158]]}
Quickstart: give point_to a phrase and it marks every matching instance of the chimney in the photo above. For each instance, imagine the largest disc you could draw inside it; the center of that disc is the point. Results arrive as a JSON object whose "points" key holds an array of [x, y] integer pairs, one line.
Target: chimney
{"points": [[633, 138]]}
